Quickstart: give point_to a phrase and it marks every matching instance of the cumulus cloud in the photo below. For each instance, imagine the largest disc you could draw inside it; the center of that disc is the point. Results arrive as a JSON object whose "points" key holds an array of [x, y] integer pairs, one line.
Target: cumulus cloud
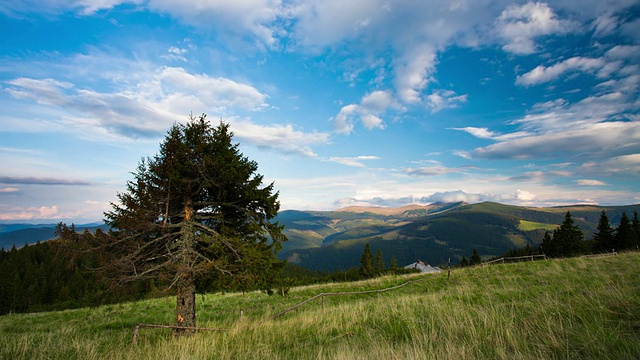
{"points": [[519, 25], [454, 196], [444, 99], [145, 110], [542, 74], [282, 138], [624, 52], [413, 72], [372, 106], [255, 18], [524, 195], [605, 24], [593, 141], [30, 213]]}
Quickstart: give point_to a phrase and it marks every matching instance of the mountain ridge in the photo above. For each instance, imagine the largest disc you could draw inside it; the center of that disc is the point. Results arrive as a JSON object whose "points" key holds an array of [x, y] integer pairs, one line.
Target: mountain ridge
{"points": [[327, 240], [452, 231]]}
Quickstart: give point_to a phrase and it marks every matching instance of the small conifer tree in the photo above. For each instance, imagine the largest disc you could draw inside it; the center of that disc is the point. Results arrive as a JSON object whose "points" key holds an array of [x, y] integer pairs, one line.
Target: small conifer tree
{"points": [[366, 263], [568, 238], [393, 265], [464, 262], [475, 258], [625, 235], [604, 240], [379, 262]]}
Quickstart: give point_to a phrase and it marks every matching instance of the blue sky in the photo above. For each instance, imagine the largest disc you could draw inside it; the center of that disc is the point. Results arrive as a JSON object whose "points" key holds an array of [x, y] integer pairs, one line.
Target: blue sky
{"points": [[341, 103]]}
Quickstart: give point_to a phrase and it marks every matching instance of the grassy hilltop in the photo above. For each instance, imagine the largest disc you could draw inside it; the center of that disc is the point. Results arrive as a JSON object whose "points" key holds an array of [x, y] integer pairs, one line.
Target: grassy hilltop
{"points": [[580, 308]]}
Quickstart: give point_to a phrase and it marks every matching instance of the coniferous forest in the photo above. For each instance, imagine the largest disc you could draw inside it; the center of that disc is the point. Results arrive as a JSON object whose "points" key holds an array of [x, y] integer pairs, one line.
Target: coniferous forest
{"points": [[67, 273]]}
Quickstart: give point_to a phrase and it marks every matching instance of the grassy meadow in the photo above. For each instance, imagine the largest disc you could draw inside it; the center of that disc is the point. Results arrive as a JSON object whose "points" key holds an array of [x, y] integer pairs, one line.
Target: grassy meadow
{"points": [[580, 308]]}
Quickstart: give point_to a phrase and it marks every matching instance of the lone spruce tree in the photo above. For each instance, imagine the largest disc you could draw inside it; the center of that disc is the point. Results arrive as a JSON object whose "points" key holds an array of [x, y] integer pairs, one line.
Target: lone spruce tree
{"points": [[604, 240], [626, 237], [568, 238], [367, 269], [475, 258], [196, 209], [380, 267], [635, 224]]}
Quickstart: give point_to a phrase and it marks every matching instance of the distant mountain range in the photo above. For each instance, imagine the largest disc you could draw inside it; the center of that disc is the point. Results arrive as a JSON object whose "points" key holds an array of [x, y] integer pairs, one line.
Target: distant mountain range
{"points": [[328, 240], [21, 234]]}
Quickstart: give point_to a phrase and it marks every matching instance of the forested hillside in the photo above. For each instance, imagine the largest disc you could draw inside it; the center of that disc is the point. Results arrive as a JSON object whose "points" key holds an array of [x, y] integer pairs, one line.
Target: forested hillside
{"points": [[332, 240]]}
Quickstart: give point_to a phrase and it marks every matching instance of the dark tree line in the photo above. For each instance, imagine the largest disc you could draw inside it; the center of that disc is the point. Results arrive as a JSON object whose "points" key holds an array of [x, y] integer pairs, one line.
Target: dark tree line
{"points": [[56, 275], [568, 240], [371, 267]]}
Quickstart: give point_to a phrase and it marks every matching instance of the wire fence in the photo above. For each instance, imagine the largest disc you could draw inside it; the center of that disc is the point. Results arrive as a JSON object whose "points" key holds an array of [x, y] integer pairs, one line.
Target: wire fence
{"points": [[321, 296], [502, 260]]}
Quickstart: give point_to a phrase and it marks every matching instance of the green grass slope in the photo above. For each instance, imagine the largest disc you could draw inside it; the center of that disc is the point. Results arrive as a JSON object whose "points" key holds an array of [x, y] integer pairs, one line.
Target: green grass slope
{"points": [[581, 308]]}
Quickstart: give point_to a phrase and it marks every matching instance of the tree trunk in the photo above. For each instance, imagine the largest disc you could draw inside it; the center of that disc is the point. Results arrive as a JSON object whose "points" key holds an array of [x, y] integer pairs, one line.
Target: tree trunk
{"points": [[186, 298], [186, 304]]}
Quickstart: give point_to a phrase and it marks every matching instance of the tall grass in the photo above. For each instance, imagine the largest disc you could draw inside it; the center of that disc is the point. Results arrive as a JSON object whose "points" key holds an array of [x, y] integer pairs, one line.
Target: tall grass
{"points": [[582, 308]]}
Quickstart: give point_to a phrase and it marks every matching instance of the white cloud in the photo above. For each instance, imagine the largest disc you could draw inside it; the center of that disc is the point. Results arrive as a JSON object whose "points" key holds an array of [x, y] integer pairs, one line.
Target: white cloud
{"points": [[524, 195], [482, 133], [444, 99], [176, 53], [623, 164], [30, 213], [485, 133], [590, 182], [605, 24], [144, 109], [413, 72], [455, 196], [368, 112], [8, 190], [542, 74], [437, 170], [624, 52], [83, 7], [593, 141], [221, 93], [283, 138], [257, 18], [377, 101], [519, 26], [343, 122], [357, 161]]}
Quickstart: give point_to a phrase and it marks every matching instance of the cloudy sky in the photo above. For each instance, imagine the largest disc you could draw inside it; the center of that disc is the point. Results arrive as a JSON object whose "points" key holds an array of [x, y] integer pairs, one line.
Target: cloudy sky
{"points": [[359, 102]]}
